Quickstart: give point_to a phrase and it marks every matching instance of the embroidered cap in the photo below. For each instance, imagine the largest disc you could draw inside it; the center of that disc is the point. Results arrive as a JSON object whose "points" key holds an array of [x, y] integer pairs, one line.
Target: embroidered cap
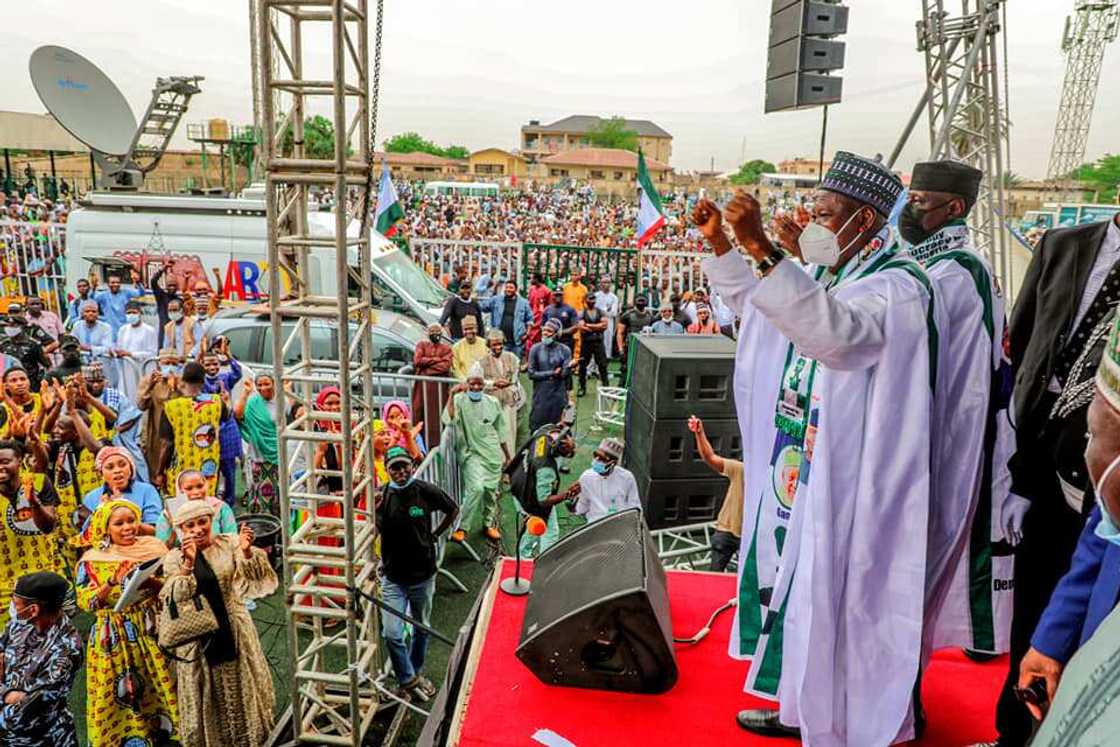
{"points": [[862, 179]]}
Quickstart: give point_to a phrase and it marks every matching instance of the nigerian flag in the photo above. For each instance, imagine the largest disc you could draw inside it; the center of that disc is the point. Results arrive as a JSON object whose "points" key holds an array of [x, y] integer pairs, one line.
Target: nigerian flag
{"points": [[650, 216], [389, 209]]}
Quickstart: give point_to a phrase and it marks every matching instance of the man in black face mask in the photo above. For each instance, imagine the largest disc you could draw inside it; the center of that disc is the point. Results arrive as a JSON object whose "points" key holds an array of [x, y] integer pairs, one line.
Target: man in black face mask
{"points": [[974, 437], [631, 323], [71, 352]]}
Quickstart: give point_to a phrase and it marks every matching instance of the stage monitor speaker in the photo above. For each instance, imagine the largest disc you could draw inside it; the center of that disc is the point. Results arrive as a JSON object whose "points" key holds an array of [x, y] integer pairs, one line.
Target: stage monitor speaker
{"points": [[669, 503], [675, 376], [598, 614], [666, 448]]}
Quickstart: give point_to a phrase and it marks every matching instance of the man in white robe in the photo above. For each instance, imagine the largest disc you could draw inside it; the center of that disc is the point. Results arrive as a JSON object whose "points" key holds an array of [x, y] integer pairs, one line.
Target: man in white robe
{"points": [[607, 302], [834, 382], [975, 519]]}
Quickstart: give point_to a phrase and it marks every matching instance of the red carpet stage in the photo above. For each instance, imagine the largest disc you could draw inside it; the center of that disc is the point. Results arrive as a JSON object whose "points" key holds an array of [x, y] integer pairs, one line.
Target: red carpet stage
{"points": [[502, 703]]}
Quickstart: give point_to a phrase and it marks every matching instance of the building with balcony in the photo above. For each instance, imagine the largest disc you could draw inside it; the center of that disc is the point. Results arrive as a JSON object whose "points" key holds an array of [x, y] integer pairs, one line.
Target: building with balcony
{"points": [[571, 133]]}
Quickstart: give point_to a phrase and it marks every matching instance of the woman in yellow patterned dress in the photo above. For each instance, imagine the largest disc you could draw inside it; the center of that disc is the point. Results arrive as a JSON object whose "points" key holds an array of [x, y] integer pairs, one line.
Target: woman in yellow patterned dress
{"points": [[129, 690], [28, 517], [189, 430]]}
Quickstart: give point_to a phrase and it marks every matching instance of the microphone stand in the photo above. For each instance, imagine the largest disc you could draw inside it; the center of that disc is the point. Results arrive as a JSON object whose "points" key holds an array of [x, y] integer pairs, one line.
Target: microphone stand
{"points": [[517, 586]]}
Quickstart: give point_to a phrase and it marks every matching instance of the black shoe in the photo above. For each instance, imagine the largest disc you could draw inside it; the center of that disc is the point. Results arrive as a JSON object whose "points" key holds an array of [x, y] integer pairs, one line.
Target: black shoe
{"points": [[765, 722], [978, 656], [581, 393]]}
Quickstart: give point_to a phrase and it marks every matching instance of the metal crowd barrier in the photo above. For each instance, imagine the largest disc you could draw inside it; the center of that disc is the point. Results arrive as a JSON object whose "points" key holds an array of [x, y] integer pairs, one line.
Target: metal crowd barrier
{"points": [[687, 547], [33, 262], [440, 257]]}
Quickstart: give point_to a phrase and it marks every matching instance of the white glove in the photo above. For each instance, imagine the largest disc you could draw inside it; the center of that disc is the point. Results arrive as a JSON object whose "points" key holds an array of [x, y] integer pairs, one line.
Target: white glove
{"points": [[1014, 509]]}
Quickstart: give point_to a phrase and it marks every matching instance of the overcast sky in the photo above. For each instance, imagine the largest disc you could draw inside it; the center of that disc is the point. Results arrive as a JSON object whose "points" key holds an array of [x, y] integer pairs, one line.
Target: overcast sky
{"points": [[473, 71]]}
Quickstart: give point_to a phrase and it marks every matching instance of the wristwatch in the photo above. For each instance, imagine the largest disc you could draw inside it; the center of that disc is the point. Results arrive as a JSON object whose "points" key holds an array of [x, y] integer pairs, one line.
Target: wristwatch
{"points": [[762, 267]]}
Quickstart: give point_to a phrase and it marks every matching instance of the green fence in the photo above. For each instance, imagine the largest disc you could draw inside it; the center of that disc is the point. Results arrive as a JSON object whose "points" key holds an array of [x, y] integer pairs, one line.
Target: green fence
{"points": [[556, 263]]}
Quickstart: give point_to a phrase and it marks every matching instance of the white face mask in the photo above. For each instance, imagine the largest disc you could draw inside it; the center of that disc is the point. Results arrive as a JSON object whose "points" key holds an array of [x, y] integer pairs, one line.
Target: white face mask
{"points": [[820, 246]]}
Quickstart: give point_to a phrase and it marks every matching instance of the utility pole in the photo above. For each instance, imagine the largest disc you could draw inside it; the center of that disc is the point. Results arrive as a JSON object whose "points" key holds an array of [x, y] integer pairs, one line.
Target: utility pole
{"points": [[1088, 31]]}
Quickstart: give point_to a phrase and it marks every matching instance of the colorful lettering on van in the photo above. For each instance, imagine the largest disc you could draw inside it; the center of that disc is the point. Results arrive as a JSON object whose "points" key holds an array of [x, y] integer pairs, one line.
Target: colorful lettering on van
{"points": [[244, 279]]}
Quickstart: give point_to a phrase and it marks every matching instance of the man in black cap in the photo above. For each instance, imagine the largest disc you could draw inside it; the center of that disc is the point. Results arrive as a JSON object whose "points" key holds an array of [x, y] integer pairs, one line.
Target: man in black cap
{"points": [[970, 566], [404, 513], [834, 381], [42, 653], [69, 347], [18, 342]]}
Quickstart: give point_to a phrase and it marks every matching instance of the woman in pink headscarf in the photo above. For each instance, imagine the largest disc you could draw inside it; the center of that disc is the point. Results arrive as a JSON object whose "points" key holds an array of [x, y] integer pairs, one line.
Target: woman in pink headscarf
{"points": [[398, 417]]}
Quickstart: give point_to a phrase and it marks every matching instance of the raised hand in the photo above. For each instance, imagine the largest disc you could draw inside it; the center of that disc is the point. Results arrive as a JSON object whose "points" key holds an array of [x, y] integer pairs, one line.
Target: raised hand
{"points": [[745, 216], [190, 550], [245, 540], [695, 424], [706, 217], [788, 231]]}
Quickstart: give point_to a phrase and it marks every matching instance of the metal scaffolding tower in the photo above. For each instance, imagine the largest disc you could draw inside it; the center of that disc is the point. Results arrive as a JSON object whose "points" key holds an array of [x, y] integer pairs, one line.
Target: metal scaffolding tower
{"points": [[966, 105], [1088, 31], [329, 558]]}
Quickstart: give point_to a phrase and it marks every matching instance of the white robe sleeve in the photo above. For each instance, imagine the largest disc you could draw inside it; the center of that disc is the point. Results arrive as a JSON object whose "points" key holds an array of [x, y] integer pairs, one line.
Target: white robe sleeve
{"points": [[843, 335], [732, 278]]}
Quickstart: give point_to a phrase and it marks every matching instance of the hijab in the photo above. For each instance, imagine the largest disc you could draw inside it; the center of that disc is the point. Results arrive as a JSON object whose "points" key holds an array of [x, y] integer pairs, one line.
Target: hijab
{"points": [[97, 536], [221, 647], [395, 404]]}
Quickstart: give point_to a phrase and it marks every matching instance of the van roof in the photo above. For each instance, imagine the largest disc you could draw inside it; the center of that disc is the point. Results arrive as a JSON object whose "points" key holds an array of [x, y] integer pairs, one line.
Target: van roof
{"points": [[141, 201]]}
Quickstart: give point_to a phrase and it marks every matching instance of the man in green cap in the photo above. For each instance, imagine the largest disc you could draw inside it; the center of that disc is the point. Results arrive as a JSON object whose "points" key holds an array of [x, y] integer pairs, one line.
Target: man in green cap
{"points": [[405, 514]]}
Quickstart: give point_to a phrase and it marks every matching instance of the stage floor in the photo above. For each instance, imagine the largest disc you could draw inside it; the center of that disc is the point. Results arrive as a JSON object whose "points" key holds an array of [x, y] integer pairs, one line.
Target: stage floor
{"points": [[504, 704]]}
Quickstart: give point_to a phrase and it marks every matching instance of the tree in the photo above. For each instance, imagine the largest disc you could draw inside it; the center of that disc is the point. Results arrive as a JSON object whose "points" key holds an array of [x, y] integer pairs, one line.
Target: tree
{"points": [[613, 133], [750, 171], [1011, 180], [411, 142], [318, 138], [1102, 177]]}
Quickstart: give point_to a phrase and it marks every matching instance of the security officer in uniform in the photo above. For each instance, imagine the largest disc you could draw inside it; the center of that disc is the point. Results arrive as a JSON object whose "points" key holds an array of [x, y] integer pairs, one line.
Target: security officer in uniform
{"points": [[20, 341]]}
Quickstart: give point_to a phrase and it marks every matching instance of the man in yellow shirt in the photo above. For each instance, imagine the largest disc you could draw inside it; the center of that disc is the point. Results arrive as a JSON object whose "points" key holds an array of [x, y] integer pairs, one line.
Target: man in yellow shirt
{"points": [[575, 295], [729, 522], [467, 351]]}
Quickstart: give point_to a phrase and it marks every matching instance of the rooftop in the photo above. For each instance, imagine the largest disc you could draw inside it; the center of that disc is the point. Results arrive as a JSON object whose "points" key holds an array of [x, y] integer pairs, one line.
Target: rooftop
{"points": [[414, 159], [582, 123], [611, 158]]}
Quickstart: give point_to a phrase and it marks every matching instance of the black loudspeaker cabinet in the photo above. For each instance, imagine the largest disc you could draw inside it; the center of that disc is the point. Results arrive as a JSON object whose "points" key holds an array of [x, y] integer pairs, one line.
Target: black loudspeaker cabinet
{"points": [[679, 502], [598, 614], [675, 376], [666, 448]]}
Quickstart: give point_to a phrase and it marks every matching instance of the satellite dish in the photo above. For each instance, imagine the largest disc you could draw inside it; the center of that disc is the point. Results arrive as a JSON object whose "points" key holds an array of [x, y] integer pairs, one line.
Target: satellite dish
{"points": [[83, 99]]}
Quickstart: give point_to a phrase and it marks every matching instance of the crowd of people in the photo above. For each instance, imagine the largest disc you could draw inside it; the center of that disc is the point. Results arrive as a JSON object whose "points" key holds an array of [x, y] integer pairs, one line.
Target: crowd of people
{"points": [[872, 361]]}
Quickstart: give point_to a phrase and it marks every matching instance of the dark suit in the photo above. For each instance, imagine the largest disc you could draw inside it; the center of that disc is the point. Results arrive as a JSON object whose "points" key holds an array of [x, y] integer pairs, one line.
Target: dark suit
{"points": [[1041, 322], [1083, 598]]}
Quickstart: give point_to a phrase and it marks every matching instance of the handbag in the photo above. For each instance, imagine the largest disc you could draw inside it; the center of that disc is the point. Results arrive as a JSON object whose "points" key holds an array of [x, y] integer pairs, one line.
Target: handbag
{"points": [[185, 621]]}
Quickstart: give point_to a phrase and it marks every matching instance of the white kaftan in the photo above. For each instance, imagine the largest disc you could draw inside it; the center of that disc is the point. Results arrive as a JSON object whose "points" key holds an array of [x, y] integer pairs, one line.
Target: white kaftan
{"points": [[969, 586], [831, 612]]}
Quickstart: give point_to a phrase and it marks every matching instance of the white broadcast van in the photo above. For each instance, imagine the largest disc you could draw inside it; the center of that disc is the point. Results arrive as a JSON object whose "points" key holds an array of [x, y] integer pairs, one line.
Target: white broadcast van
{"points": [[222, 241]]}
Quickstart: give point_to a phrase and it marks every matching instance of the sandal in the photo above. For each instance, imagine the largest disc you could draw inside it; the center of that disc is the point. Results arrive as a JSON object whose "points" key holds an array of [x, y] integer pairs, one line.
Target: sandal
{"points": [[421, 688]]}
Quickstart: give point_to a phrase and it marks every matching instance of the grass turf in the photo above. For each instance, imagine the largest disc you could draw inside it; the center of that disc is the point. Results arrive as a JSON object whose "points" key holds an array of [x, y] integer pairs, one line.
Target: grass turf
{"points": [[450, 606]]}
